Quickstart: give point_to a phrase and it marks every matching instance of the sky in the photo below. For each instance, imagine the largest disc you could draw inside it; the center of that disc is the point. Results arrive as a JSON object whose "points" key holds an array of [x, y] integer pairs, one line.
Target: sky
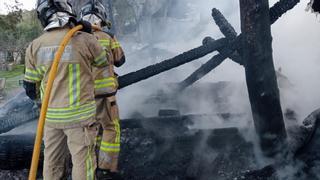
{"points": [[26, 4]]}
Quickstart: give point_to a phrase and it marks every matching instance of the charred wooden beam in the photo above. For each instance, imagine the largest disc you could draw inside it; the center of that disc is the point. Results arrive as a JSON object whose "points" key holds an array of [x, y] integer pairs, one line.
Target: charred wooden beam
{"points": [[166, 65], [225, 52], [315, 5], [228, 31], [224, 26], [17, 112], [280, 8], [261, 76], [214, 62]]}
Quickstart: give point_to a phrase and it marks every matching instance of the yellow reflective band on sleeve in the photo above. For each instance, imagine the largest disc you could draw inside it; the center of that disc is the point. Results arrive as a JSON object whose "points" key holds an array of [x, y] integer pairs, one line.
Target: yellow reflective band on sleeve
{"points": [[109, 147], [115, 45], [41, 70], [32, 75], [74, 84], [101, 59], [105, 83], [105, 42], [71, 114]]}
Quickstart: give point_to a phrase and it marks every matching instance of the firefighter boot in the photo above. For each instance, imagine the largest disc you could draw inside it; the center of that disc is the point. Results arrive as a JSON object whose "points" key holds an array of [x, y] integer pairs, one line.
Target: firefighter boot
{"points": [[107, 175]]}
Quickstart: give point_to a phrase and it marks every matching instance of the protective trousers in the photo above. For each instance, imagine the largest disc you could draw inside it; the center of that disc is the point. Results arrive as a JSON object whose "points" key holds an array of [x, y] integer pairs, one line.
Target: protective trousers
{"points": [[81, 144], [108, 140]]}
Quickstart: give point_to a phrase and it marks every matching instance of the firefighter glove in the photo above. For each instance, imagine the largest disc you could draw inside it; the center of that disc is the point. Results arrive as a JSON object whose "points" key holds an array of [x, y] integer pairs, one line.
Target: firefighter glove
{"points": [[87, 27], [31, 89]]}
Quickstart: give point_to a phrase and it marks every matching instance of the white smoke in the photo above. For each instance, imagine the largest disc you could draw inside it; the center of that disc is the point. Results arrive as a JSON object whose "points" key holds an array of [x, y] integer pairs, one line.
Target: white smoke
{"points": [[295, 44], [295, 50]]}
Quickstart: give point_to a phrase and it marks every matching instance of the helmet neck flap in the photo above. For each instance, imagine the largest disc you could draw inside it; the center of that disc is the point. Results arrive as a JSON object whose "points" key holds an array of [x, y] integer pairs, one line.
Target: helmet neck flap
{"points": [[96, 8], [55, 12]]}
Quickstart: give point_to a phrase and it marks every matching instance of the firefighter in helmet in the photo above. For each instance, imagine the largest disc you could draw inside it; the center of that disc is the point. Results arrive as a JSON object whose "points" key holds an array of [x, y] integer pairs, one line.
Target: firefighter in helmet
{"points": [[70, 121], [106, 86]]}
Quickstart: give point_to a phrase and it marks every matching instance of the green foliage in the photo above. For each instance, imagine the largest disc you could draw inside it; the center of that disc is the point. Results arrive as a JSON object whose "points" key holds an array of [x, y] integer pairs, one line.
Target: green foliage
{"points": [[13, 77], [29, 28], [17, 29], [17, 71]]}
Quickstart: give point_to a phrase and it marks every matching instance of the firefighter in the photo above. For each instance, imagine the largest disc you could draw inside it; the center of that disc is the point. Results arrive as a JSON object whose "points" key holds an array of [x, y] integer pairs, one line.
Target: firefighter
{"points": [[106, 86], [70, 121]]}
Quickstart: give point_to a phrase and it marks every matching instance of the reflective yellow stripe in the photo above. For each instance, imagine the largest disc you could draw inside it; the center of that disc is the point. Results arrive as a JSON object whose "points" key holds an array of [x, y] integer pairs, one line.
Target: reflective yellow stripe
{"points": [[75, 119], [101, 59], [109, 150], [105, 83], [31, 71], [71, 85], [89, 166], [115, 145], [78, 84], [41, 90], [71, 114], [32, 75], [115, 45], [41, 70], [118, 130], [105, 42], [105, 80], [30, 78], [74, 84]]}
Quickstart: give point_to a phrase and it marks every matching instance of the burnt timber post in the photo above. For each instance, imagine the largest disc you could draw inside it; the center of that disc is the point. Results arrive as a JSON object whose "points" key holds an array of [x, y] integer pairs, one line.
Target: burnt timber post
{"points": [[260, 75]]}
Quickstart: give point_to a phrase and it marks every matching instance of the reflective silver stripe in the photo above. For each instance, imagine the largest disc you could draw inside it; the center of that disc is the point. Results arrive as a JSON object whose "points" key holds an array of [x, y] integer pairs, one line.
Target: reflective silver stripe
{"points": [[74, 84], [46, 54]]}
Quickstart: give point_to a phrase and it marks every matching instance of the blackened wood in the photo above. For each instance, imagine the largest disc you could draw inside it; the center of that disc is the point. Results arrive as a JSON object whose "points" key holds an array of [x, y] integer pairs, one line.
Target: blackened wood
{"points": [[280, 8], [228, 31], [261, 76], [174, 62]]}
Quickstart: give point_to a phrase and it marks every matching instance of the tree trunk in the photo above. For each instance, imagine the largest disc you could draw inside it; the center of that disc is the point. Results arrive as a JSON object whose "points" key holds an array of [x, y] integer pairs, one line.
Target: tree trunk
{"points": [[260, 75]]}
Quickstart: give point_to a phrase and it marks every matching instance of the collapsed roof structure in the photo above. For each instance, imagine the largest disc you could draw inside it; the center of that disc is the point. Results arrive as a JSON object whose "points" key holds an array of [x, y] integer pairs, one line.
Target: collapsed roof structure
{"points": [[165, 147]]}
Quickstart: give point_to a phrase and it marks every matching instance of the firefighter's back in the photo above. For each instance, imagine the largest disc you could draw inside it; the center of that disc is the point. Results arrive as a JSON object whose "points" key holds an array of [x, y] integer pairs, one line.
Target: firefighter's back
{"points": [[72, 99]]}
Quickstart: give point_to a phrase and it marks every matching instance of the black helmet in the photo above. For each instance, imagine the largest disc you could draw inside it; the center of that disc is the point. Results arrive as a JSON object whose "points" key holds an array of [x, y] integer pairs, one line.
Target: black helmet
{"points": [[95, 7], [46, 8]]}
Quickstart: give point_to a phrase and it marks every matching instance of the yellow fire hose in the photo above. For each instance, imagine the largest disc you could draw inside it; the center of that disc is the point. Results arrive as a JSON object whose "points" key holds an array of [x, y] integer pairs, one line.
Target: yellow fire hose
{"points": [[45, 102]]}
